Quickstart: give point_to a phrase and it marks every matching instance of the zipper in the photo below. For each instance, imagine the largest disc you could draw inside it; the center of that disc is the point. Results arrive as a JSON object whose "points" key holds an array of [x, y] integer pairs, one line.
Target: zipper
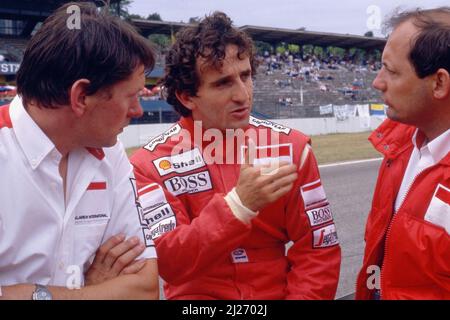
{"points": [[392, 222], [388, 164]]}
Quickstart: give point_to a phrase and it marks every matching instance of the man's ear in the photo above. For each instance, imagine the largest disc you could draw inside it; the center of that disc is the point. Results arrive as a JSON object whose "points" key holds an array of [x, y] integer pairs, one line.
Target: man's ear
{"points": [[441, 84], [186, 100], [78, 98]]}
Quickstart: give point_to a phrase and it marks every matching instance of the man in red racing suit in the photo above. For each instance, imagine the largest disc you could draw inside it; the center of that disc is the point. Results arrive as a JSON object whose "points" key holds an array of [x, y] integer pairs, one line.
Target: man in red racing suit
{"points": [[213, 255]]}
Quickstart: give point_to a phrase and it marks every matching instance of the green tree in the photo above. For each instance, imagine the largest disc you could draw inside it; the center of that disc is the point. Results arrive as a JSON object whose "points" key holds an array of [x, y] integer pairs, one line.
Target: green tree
{"points": [[368, 34], [262, 46], [294, 48], [154, 16], [162, 41], [120, 8], [336, 52], [308, 49], [135, 16]]}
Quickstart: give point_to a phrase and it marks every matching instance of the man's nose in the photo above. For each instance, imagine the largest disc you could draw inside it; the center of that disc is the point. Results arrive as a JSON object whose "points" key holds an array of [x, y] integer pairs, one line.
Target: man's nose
{"points": [[241, 92], [136, 110], [379, 83]]}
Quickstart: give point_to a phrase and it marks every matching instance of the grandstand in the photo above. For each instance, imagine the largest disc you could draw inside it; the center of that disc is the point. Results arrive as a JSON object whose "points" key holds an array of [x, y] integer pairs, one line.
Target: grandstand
{"points": [[307, 93], [295, 88]]}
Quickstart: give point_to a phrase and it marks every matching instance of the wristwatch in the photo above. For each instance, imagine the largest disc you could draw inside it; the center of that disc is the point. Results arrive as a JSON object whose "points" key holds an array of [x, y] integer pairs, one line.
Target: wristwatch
{"points": [[41, 293]]}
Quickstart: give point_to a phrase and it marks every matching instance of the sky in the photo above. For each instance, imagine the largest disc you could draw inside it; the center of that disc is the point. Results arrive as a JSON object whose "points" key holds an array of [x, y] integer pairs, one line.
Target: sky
{"points": [[338, 16]]}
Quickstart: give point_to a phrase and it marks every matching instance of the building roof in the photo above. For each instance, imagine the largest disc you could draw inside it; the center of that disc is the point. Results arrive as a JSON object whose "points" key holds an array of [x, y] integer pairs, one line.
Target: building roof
{"points": [[275, 35]]}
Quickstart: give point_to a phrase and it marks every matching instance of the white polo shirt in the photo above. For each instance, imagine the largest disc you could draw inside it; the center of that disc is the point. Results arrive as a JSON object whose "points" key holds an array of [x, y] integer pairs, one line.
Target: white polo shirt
{"points": [[43, 240]]}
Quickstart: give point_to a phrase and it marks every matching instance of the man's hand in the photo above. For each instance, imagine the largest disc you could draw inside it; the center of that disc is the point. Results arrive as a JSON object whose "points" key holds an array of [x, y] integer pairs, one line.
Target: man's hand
{"points": [[115, 257], [260, 185]]}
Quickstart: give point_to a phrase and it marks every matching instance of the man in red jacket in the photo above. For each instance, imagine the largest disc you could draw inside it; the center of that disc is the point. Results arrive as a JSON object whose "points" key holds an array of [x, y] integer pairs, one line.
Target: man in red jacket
{"points": [[407, 253], [221, 224]]}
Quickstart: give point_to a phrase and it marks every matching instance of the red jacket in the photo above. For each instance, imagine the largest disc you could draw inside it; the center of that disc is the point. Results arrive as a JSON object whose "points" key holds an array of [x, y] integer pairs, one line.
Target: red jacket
{"points": [[213, 255], [413, 253]]}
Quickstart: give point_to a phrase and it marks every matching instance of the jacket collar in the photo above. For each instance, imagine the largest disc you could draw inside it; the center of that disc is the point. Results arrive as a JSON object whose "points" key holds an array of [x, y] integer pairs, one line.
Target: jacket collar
{"points": [[392, 138]]}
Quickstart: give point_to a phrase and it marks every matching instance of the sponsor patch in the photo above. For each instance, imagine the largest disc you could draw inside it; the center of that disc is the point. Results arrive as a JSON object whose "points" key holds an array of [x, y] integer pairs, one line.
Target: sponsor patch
{"points": [[157, 215], [159, 228], [147, 193], [163, 137], [91, 218], [325, 237], [438, 211], [269, 124], [193, 183], [270, 154], [94, 206], [313, 193], [319, 215], [239, 256], [150, 198], [180, 163], [148, 237]]}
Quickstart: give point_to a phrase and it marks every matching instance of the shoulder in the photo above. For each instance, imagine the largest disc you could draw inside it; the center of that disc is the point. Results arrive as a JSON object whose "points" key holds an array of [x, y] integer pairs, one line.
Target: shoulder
{"points": [[163, 138], [157, 148], [284, 133], [391, 132]]}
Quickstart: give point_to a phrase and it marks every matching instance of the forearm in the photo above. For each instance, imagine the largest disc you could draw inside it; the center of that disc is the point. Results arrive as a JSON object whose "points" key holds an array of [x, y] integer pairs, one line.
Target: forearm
{"points": [[204, 242], [142, 286]]}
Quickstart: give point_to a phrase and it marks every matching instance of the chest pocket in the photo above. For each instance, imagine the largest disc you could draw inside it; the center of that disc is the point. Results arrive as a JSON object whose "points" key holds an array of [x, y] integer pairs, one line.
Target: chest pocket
{"points": [[90, 222], [438, 212]]}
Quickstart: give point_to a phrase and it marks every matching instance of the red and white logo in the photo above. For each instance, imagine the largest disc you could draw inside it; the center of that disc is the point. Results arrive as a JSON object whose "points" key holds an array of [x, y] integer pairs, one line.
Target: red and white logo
{"points": [[263, 155], [313, 193], [325, 237], [151, 197], [179, 163], [438, 211]]}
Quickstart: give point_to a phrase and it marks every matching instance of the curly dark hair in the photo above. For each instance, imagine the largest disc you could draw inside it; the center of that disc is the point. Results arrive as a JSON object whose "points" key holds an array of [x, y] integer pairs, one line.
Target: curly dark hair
{"points": [[207, 40], [430, 49]]}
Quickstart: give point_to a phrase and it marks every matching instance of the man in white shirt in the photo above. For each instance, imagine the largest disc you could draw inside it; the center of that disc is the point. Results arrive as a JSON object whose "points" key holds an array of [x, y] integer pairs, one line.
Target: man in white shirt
{"points": [[407, 253], [67, 190]]}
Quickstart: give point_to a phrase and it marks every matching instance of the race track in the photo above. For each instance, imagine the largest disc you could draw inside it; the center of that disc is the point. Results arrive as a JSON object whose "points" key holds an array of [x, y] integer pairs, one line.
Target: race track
{"points": [[349, 188]]}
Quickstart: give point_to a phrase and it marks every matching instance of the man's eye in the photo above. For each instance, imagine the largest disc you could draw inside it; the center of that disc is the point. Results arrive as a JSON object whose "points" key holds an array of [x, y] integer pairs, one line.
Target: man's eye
{"points": [[390, 71], [223, 84]]}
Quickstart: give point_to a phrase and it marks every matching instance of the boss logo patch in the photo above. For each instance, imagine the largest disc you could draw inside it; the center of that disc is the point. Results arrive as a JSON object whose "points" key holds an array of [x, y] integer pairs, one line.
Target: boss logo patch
{"points": [[321, 215], [192, 183]]}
